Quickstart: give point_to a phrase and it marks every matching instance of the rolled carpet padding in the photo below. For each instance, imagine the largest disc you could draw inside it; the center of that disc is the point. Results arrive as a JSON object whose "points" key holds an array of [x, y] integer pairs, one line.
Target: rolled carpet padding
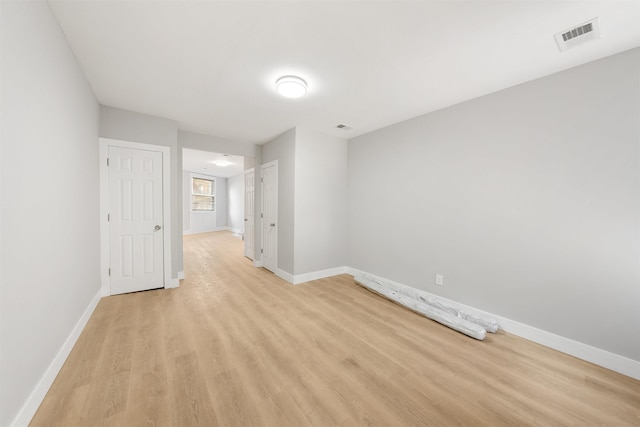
{"points": [[414, 304], [490, 325]]}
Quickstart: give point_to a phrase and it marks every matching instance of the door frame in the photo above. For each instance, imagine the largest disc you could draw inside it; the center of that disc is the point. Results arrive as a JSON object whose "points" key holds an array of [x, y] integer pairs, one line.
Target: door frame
{"points": [[253, 214], [262, 219], [103, 151]]}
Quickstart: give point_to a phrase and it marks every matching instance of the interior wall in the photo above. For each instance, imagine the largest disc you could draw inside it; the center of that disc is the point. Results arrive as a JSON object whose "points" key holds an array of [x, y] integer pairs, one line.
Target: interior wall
{"points": [[320, 202], [214, 144], [526, 200], [116, 123], [203, 222], [186, 201], [50, 249], [249, 163], [235, 203], [221, 203], [282, 149]]}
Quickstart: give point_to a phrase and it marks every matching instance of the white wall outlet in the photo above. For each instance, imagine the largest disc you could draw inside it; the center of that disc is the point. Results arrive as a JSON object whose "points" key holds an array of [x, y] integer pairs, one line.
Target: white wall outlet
{"points": [[439, 279]]}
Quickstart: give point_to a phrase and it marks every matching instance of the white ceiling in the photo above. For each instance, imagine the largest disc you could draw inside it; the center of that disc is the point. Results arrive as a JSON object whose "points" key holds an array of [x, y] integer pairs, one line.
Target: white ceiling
{"points": [[212, 65], [202, 162]]}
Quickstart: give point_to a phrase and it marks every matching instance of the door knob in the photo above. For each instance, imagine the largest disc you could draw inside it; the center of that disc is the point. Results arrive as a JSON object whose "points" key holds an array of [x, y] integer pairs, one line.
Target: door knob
{"points": [[273, 224], [157, 227]]}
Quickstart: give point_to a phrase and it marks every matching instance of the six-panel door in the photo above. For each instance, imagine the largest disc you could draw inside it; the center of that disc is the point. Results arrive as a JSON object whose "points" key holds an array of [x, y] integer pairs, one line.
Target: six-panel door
{"points": [[135, 220]]}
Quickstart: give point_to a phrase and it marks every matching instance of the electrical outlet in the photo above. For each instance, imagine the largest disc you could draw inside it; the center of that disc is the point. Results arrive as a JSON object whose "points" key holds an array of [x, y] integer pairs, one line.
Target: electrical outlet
{"points": [[439, 279]]}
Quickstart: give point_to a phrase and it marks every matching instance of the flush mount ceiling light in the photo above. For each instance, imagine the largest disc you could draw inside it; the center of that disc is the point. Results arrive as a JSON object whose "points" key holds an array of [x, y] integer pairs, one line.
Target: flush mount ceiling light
{"points": [[291, 86], [222, 163]]}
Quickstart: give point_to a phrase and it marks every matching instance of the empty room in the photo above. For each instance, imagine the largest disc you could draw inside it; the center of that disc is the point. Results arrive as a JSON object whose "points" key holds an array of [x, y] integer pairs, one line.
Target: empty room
{"points": [[319, 213]]}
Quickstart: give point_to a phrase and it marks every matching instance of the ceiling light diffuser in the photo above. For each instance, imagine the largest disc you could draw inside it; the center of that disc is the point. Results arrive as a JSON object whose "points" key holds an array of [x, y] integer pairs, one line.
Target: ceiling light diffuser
{"points": [[222, 163], [291, 86]]}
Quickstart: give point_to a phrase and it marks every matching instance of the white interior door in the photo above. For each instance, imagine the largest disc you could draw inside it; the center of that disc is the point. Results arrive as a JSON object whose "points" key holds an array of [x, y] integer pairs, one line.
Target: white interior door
{"points": [[270, 216], [249, 213], [135, 220]]}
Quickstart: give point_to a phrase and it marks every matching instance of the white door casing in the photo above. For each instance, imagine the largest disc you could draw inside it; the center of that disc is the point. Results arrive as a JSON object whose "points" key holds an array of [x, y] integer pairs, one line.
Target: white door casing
{"points": [[269, 175], [134, 254], [249, 213]]}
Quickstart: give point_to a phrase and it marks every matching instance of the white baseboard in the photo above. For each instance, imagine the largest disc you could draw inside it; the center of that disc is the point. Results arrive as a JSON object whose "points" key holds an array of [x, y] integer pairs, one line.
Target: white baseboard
{"points": [[284, 275], [172, 283], [190, 232], [180, 275], [28, 410], [615, 362], [307, 277], [606, 359], [235, 230], [258, 263]]}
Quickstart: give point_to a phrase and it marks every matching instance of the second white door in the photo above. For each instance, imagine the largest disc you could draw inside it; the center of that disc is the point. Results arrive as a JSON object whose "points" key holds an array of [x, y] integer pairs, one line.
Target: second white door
{"points": [[270, 215]]}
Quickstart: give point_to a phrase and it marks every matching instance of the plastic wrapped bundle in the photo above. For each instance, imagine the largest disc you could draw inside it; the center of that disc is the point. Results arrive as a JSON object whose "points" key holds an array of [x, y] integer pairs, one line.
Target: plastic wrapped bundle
{"points": [[454, 322]]}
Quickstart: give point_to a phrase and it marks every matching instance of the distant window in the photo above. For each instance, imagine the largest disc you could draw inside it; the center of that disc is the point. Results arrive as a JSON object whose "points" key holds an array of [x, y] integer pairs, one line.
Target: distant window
{"points": [[203, 198]]}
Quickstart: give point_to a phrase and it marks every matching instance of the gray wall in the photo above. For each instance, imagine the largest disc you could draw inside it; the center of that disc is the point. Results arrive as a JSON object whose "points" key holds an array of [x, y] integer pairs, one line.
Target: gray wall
{"points": [[312, 200], [186, 201], [526, 200], [221, 202], [50, 251], [282, 149], [320, 202], [124, 125], [235, 205], [197, 141]]}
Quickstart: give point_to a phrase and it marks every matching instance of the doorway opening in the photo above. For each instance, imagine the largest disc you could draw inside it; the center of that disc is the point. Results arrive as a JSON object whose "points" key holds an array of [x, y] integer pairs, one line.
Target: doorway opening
{"points": [[214, 197], [213, 192]]}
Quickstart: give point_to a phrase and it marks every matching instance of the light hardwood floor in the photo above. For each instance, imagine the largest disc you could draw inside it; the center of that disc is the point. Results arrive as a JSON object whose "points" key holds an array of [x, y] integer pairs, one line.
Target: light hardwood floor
{"points": [[237, 346]]}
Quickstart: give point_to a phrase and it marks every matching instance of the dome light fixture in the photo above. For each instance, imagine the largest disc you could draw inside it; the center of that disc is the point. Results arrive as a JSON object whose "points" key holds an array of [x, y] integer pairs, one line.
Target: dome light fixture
{"points": [[222, 163], [291, 86]]}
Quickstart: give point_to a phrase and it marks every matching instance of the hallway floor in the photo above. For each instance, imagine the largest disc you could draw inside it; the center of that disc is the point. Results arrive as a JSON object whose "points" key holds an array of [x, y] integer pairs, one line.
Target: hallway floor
{"points": [[235, 345]]}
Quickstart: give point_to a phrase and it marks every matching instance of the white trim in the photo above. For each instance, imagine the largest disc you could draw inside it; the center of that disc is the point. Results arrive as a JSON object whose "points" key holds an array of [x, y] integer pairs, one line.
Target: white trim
{"points": [[29, 408], [105, 143], [257, 263], [306, 277], [245, 252], [180, 275], [316, 275], [189, 232], [277, 191], [103, 152], [172, 283], [606, 359], [235, 231], [284, 275]]}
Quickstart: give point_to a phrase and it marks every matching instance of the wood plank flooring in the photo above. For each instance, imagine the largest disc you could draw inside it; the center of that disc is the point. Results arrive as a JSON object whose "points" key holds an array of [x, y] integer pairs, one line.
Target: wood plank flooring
{"points": [[237, 346]]}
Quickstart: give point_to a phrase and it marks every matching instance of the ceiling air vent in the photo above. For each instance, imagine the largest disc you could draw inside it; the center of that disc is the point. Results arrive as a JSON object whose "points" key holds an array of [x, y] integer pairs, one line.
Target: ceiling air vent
{"points": [[578, 35]]}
